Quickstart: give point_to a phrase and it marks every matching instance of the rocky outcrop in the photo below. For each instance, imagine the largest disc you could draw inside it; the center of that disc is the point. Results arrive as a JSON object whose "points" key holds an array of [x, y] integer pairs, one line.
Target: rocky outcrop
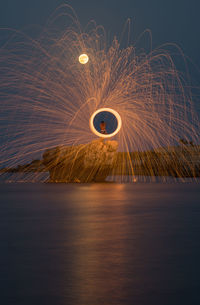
{"points": [[82, 163]]}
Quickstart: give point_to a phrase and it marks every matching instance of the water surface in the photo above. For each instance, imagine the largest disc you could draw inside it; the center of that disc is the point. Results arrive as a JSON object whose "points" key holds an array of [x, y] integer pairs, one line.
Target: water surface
{"points": [[100, 244]]}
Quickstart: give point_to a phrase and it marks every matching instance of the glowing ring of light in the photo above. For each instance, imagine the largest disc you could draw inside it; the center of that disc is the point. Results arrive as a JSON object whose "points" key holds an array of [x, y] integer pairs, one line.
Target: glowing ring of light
{"points": [[119, 123]]}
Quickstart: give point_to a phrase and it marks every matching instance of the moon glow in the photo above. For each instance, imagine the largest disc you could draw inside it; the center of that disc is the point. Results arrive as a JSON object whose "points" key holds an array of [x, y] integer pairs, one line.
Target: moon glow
{"points": [[83, 59]]}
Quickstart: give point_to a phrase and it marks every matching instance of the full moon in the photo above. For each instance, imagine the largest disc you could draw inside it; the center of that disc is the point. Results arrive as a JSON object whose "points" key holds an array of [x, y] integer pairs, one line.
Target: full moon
{"points": [[83, 59]]}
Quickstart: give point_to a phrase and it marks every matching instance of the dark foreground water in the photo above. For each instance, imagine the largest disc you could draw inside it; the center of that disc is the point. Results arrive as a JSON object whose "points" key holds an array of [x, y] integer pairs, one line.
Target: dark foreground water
{"points": [[100, 244]]}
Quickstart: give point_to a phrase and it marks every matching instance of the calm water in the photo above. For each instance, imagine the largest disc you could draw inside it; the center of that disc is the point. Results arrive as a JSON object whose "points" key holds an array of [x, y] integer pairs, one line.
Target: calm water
{"points": [[100, 244]]}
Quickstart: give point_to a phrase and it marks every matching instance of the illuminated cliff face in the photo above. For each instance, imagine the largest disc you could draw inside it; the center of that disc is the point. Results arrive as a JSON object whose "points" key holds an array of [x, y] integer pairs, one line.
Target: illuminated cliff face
{"points": [[91, 162]]}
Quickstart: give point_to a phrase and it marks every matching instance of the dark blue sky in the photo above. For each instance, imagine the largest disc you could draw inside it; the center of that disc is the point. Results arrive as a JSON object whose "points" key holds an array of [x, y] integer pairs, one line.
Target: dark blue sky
{"points": [[170, 21]]}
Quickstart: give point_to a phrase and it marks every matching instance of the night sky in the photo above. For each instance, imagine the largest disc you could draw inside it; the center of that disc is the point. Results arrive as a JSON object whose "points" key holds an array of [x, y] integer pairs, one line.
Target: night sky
{"points": [[169, 21], [172, 21]]}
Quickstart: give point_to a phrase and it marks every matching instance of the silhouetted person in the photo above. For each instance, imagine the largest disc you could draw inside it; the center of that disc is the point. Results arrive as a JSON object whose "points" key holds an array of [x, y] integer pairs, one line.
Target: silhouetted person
{"points": [[103, 127]]}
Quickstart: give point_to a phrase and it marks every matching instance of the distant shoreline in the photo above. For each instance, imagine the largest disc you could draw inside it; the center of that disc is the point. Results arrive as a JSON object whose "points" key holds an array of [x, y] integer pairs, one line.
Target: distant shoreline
{"points": [[179, 161]]}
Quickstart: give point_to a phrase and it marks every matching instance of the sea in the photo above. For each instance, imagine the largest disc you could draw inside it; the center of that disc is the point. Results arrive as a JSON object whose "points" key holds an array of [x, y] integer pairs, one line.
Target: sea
{"points": [[100, 244]]}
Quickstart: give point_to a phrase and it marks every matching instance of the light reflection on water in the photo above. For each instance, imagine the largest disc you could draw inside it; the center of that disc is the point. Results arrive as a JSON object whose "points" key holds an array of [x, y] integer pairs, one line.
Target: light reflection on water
{"points": [[100, 244]]}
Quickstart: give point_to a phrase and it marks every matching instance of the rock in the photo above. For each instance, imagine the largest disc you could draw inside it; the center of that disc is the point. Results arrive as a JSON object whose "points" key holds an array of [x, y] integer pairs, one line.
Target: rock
{"points": [[90, 162]]}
